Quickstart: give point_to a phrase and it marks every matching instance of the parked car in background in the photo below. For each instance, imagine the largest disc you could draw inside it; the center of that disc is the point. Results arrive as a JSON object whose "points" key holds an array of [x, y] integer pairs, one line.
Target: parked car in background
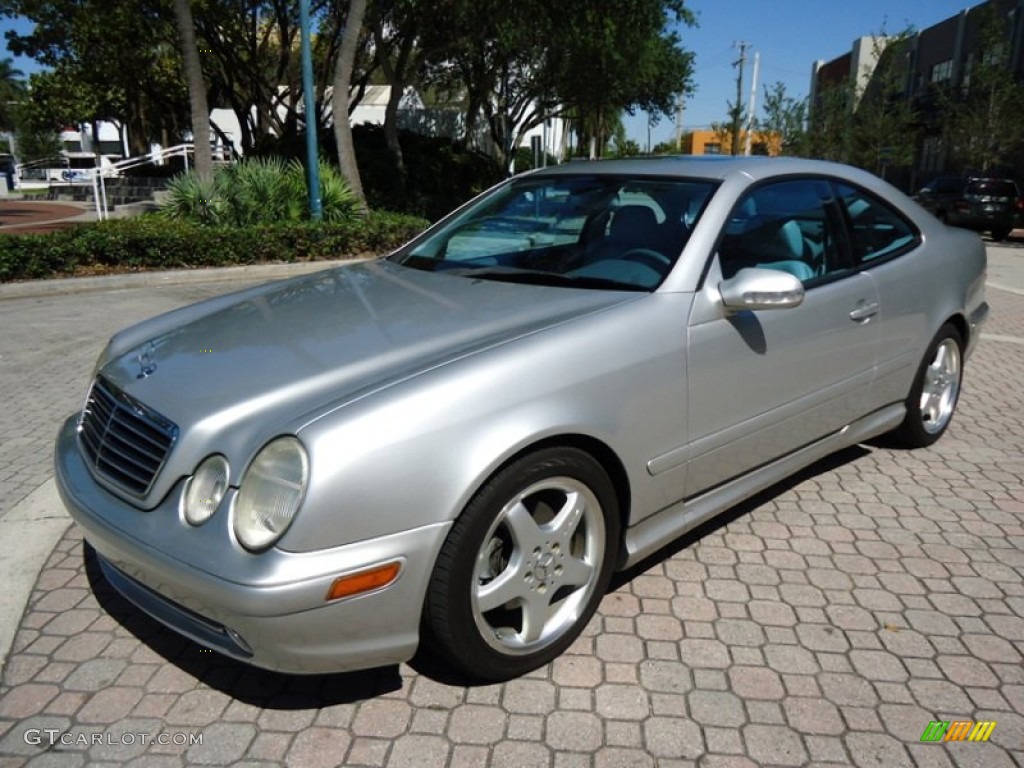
{"points": [[939, 194], [992, 205], [457, 445]]}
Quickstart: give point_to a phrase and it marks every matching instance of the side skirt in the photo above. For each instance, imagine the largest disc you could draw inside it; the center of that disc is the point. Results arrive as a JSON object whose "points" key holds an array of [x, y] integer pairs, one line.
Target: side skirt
{"points": [[669, 524]]}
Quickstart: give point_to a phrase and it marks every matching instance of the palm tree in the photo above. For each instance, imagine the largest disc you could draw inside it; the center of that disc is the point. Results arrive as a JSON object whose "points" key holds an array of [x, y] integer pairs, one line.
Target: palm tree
{"points": [[339, 99], [196, 88], [12, 88]]}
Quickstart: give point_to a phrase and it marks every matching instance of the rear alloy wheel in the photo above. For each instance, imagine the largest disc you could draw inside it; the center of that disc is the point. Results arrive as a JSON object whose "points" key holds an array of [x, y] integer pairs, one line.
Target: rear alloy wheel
{"points": [[936, 391], [524, 567]]}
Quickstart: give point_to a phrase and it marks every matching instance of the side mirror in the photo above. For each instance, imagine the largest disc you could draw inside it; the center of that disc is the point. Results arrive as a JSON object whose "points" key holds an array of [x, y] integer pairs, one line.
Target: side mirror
{"points": [[757, 288]]}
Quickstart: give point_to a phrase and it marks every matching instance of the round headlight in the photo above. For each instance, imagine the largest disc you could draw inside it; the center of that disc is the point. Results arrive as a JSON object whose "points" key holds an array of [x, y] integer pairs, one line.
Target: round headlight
{"points": [[205, 489], [270, 493]]}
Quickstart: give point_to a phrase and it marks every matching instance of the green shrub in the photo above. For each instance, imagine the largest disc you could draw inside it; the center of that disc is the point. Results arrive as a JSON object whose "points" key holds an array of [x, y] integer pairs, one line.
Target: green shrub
{"points": [[191, 198], [258, 190], [155, 242]]}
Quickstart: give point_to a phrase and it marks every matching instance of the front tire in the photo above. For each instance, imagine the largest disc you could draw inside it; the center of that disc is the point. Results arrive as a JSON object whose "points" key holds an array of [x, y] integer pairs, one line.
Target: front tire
{"points": [[524, 567], [936, 391]]}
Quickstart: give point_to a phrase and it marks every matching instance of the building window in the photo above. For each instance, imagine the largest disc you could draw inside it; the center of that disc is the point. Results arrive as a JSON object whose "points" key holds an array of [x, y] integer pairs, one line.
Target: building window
{"points": [[713, 148], [942, 72]]}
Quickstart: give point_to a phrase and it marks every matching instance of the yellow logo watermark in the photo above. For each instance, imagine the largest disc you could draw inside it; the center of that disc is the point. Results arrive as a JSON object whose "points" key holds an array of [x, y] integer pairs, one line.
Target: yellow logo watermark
{"points": [[958, 730]]}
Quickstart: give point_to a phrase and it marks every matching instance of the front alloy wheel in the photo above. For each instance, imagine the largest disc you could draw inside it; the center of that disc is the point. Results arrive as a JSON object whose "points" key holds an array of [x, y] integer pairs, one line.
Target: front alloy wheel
{"points": [[524, 566]]}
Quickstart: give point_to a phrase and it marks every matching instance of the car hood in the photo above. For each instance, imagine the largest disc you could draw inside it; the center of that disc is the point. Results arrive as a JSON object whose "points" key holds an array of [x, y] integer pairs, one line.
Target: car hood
{"points": [[289, 348]]}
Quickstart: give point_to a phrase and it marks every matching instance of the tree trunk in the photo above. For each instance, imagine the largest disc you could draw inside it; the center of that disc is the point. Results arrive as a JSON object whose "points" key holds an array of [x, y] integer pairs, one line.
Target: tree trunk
{"points": [[396, 75], [196, 88], [391, 131], [339, 98]]}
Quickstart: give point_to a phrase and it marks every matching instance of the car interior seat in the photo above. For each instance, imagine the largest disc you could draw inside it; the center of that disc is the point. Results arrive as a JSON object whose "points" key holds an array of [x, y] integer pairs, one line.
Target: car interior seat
{"points": [[779, 244]]}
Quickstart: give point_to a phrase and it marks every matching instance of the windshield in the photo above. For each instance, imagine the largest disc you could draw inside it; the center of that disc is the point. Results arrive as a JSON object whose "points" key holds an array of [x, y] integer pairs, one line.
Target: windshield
{"points": [[583, 231]]}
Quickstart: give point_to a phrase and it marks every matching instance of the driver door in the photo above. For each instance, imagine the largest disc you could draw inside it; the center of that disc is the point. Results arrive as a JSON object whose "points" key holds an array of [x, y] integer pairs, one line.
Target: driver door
{"points": [[765, 383]]}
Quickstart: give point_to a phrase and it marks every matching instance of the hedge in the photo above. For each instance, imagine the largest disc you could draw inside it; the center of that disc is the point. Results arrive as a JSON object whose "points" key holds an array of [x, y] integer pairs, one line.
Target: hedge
{"points": [[150, 242]]}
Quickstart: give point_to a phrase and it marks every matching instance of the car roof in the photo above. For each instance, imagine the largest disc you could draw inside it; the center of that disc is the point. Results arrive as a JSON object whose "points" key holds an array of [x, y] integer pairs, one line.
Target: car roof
{"points": [[718, 167]]}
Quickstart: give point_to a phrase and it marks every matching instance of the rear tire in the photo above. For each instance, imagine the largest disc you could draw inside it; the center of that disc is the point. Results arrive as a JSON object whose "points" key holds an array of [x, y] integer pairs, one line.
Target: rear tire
{"points": [[936, 391], [524, 566], [1001, 234]]}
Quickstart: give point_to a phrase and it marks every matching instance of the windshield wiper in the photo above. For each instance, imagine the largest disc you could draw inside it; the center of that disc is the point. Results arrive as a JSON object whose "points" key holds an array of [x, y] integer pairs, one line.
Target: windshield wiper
{"points": [[540, 277]]}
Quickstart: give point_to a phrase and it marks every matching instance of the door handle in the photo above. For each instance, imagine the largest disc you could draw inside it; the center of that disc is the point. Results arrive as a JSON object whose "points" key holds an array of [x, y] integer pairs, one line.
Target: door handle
{"points": [[864, 311]]}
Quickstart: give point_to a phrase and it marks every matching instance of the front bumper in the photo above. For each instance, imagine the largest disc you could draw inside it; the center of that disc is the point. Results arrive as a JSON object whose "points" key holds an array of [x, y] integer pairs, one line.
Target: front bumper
{"points": [[266, 609]]}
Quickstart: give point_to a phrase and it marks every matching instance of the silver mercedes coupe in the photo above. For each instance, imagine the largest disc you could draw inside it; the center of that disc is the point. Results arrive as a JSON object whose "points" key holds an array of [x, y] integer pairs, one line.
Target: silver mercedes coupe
{"points": [[456, 446]]}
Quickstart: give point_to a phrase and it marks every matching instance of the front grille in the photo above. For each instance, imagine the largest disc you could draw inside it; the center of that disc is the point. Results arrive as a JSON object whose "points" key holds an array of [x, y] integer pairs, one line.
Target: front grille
{"points": [[125, 442]]}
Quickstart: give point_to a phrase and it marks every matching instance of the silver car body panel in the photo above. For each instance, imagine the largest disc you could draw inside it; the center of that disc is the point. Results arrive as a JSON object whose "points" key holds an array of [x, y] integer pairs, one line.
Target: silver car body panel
{"points": [[254, 367], [274, 601], [409, 389]]}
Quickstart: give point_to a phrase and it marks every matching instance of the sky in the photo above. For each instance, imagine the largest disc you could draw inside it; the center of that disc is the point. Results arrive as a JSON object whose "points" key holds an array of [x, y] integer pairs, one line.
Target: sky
{"points": [[789, 35]]}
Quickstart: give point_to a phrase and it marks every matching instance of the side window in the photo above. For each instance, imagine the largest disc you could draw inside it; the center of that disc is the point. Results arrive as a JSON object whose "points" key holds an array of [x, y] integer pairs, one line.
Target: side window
{"points": [[789, 226], [876, 230]]}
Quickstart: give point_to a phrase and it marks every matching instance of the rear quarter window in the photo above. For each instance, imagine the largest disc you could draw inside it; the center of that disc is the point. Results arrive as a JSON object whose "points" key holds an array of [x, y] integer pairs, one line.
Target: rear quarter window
{"points": [[877, 230]]}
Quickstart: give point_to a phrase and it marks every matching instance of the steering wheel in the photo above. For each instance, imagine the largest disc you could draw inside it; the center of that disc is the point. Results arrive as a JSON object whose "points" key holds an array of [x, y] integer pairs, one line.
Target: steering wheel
{"points": [[649, 257]]}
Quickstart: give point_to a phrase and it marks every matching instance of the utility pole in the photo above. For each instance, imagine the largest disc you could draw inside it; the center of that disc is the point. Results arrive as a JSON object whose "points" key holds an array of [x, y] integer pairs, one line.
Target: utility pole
{"points": [[679, 124], [737, 109], [753, 103]]}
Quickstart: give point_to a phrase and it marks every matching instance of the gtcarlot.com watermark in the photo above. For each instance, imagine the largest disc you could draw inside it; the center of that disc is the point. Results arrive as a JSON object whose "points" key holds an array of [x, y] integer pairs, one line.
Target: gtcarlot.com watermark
{"points": [[52, 737]]}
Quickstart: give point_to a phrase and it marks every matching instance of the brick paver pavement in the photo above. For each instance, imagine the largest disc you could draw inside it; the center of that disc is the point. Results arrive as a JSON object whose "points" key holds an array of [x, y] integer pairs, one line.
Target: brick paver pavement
{"points": [[24, 217], [825, 622]]}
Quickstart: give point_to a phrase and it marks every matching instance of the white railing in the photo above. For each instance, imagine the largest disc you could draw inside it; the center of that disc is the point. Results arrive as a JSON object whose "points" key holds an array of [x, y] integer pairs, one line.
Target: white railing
{"points": [[100, 175]]}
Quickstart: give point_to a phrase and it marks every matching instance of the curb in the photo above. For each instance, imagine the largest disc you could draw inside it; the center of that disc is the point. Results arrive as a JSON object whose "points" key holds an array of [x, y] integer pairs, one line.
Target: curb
{"points": [[28, 534]]}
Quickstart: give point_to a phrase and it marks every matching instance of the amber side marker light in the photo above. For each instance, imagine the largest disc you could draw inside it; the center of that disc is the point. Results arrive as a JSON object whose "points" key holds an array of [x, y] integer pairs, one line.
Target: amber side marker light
{"points": [[364, 581]]}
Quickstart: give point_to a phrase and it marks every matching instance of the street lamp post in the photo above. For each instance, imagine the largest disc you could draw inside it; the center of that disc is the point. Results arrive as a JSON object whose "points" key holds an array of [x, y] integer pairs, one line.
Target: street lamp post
{"points": [[312, 159]]}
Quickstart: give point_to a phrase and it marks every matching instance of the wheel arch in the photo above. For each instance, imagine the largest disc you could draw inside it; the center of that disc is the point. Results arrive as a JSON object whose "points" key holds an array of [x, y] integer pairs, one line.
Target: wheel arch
{"points": [[959, 322], [597, 450]]}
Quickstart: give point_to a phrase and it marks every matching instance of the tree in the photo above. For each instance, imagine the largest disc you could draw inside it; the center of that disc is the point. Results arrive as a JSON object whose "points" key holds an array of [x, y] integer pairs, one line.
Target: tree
{"points": [[670, 147], [499, 59], [514, 65], [12, 89], [733, 129], [408, 37], [982, 122], [868, 121], [621, 55], [829, 134], [785, 117], [885, 122], [724, 136], [340, 97], [129, 57], [120, 58], [35, 138], [252, 61], [196, 89]]}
